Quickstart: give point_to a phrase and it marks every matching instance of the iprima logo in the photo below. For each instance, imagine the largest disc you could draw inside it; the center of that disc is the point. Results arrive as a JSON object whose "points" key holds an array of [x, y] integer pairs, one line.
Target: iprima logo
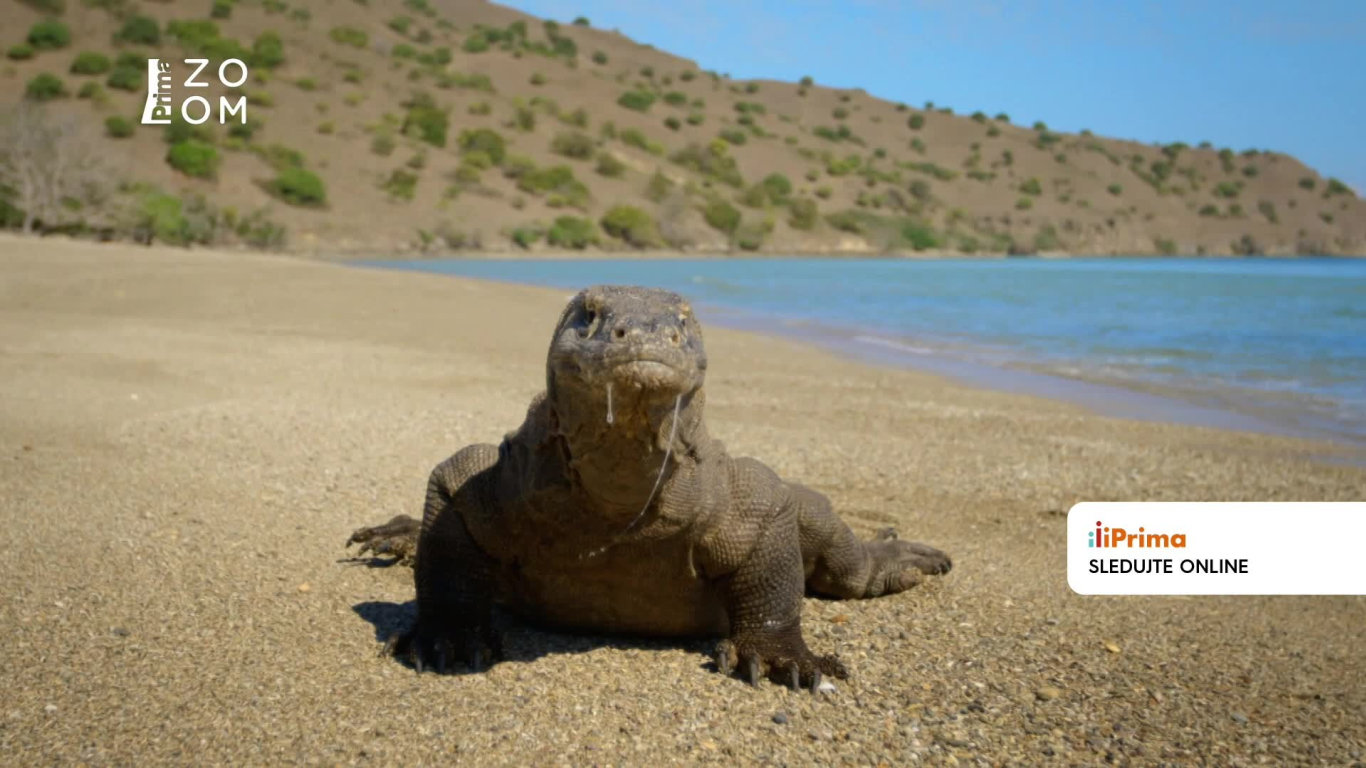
{"points": [[1105, 537], [195, 109]]}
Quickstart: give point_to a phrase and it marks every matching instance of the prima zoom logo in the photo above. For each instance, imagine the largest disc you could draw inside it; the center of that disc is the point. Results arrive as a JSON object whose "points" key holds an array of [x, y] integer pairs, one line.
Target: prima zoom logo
{"points": [[194, 109]]}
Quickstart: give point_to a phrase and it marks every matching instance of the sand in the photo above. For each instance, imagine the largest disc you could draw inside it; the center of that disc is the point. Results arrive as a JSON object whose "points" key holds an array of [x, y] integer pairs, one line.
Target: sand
{"points": [[188, 438]]}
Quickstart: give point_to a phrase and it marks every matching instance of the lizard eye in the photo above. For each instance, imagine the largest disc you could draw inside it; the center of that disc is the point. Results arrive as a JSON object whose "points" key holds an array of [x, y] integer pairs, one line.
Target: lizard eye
{"points": [[590, 322]]}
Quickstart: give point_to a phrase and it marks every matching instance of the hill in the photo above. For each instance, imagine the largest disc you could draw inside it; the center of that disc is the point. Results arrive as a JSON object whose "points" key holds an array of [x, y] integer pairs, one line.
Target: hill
{"points": [[379, 126]]}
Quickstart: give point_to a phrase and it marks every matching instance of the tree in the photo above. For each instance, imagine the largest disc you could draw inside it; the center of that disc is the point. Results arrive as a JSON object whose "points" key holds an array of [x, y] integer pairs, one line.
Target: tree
{"points": [[48, 169]]}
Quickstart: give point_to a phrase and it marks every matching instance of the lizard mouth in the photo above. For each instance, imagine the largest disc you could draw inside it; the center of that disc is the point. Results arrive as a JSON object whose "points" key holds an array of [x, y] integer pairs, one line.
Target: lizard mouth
{"points": [[647, 374]]}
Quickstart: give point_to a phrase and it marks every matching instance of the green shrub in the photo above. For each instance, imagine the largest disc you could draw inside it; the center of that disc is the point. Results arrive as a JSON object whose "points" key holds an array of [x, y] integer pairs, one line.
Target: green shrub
{"points": [[920, 236], [572, 232], [194, 158], [298, 186], [401, 184], [538, 79], [139, 30], [20, 52], [1337, 187], [268, 50], [676, 98], [1164, 246], [426, 122], [599, 58], [713, 161], [118, 127], [846, 221], [1268, 209], [1227, 189], [129, 72], [221, 9], [49, 35], [476, 43], [1115, 189], [632, 137], [94, 92], [609, 165], [90, 63], [45, 86], [777, 187], [840, 113], [916, 121], [1209, 210], [696, 118], [1024, 203], [344, 35], [721, 215], [1046, 239], [807, 82], [1031, 186], [750, 235], [631, 225], [640, 101], [557, 183], [527, 236], [803, 213], [582, 21], [483, 140], [279, 157], [734, 136], [1308, 182], [673, 123], [383, 144], [573, 144]]}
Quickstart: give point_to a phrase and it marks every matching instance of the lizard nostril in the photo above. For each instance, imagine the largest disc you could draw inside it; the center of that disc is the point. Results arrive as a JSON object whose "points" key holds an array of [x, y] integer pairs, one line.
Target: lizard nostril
{"points": [[619, 333], [673, 337]]}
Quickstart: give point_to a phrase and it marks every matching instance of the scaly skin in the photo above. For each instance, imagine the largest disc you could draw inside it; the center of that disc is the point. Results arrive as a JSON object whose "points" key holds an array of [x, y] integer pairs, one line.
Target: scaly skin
{"points": [[629, 517]]}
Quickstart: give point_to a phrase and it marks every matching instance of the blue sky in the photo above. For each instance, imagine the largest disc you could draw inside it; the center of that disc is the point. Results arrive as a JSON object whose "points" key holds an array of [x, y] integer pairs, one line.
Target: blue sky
{"points": [[1287, 76]]}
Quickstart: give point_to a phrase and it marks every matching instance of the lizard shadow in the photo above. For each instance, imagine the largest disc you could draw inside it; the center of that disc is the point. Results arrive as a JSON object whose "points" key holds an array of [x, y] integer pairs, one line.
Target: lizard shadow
{"points": [[524, 641]]}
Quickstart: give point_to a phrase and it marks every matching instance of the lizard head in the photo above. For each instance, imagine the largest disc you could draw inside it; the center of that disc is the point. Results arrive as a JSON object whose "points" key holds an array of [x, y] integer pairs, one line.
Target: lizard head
{"points": [[642, 343]]}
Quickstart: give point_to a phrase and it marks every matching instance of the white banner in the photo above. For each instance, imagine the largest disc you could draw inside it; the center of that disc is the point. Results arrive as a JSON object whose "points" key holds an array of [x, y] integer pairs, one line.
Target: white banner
{"points": [[1217, 548]]}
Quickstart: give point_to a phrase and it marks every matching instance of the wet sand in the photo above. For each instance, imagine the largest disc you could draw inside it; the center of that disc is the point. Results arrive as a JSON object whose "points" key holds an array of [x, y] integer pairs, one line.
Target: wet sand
{"points": [[188, 438]]}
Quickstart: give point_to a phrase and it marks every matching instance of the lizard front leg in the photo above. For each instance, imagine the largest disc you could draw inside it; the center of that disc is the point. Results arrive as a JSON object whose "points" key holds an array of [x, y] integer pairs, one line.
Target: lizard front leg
{"points": [[454, 577], [763, 595]]}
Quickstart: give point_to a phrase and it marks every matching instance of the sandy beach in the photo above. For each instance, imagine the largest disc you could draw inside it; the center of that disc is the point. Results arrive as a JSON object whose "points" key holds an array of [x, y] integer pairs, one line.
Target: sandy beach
{"points": [[188, 437]]}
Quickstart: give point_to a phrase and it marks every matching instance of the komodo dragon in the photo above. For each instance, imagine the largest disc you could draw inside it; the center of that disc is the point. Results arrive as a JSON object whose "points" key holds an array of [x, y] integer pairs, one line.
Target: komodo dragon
{"points": [[612, 509]]}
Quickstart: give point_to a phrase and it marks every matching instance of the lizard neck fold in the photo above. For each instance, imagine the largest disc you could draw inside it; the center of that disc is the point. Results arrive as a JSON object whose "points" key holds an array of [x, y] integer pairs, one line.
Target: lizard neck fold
{"points": [[620, 464]]}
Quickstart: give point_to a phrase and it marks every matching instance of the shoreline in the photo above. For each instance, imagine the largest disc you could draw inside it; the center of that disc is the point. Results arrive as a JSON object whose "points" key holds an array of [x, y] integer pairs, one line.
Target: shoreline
{"points": [[333, 256], [1222, 407]]}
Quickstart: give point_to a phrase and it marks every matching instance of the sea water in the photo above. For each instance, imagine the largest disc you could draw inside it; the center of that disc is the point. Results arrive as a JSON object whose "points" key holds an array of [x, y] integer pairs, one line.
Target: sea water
{"points": [[1271, 344]]}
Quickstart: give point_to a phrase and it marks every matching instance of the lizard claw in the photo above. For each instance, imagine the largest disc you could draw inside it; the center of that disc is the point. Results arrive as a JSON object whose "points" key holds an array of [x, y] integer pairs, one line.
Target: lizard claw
{"points": [[432, 649], [752, 671], [398, 537], [777, 657]]}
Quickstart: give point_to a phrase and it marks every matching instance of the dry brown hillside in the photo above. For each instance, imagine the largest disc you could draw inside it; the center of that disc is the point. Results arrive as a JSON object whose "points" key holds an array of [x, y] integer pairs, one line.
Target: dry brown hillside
{"points": [[376, 126]]}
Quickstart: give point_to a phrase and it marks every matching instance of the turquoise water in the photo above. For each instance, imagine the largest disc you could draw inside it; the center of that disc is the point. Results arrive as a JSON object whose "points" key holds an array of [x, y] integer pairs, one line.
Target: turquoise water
{"points": [[1279, 343]]}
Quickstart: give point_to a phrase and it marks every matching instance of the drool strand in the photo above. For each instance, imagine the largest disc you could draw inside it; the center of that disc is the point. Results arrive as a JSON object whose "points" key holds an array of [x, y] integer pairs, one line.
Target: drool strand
{"points": [[609, 402]]}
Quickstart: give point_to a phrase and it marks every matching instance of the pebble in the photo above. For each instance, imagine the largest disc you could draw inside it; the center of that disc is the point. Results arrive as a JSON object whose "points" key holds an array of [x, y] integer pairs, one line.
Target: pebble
{"points": [[1239, 718], [1111, 647], [50, 708], [780, 718], [1048, 693], [304, 587]]}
